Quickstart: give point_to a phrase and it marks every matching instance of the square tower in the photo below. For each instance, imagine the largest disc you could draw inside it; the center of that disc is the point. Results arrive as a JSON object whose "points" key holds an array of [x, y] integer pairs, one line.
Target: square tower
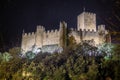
{"points": [[39, 36], [86, 21]]}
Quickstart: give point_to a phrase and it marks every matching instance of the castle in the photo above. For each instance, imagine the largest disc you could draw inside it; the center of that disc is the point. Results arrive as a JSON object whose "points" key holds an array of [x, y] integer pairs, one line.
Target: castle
{"points": [[50, 41]]}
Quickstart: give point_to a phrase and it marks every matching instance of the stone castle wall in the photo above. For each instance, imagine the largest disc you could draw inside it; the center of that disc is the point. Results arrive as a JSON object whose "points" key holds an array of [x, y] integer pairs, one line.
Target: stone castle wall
{"points": [[40, 38], [98, 36], [86, 31], [51, 37], [90, 35], [102, 34], [76, 35]]}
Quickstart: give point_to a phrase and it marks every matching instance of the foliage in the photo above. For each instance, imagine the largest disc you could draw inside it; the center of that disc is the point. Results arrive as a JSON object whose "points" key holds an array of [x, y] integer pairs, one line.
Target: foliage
{"points": [[116, 52], [75, 63], [6, 57], [0, 56], [106, 49], [15, 51], [64, 36], [71, 41], [30, 55]]}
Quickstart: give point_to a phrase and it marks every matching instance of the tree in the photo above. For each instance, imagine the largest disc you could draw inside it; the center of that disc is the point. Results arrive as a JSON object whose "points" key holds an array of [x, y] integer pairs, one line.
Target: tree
{"points": [[15, 52], [30, 55], [71, 41], [92, 72], [6, 57], [106, 49], [0, 56], [64, 35], [60, 75], [116, 52], [113, 21]]}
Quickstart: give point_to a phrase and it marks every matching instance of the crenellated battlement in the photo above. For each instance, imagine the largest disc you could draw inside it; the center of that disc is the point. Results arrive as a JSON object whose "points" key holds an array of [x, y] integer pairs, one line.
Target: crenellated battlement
{"points": [[28, 34], [33, 33], [90, 14], [48, 32], [89, 31], [40, 27], [56, 31], [101, 27], [25, 34], [73, 29]]}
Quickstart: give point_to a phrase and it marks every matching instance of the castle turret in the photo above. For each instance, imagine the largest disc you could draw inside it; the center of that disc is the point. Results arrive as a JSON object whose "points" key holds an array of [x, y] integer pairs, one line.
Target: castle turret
{"points": [[28, 40], [102, 34], [22, 42], [39, 36], [101, 28]]}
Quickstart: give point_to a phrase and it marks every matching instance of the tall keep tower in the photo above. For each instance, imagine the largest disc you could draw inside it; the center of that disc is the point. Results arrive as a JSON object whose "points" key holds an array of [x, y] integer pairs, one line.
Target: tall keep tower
{"points": [[86, 21]]}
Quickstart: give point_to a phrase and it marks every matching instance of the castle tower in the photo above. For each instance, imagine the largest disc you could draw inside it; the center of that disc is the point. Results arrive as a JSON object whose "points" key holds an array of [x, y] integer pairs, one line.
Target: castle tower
{"points": [[22, 42], [86, 21], [28, 40], [39, 36], [103, 34]]}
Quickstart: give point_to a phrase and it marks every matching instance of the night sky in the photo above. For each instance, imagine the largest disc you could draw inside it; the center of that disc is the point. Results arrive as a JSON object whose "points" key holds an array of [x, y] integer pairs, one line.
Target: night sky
{"points": [[16, 15]]}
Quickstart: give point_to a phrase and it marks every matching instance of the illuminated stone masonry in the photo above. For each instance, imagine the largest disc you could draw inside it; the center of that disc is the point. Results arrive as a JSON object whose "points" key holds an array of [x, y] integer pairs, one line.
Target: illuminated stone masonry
{"points": [[50, 41]]}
